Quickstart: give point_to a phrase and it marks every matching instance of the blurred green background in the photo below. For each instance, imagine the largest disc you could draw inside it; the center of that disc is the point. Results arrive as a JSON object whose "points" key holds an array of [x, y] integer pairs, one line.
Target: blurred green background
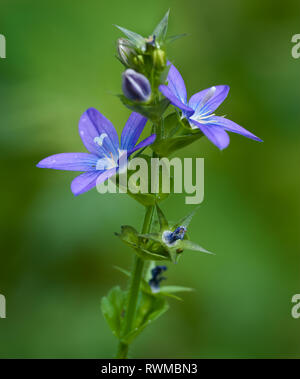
{"points": [[58, 251]]}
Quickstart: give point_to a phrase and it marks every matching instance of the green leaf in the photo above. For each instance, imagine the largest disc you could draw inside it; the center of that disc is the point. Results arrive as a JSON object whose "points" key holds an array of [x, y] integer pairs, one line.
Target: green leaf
{"points": [[112, 307], [129, 235], [149, 309], [152, 236], [167, 291], [161, 29], [145, 250], [176, 135], [170, 290], [125, 272], [152, 111], [137, 40], [163, 222], [189, 245], [152, 255], [171, 124]]}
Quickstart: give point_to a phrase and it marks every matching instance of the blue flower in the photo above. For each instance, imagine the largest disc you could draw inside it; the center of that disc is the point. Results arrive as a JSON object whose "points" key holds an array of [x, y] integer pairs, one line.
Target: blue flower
{"points": [[157, 277], [101, 139], [170, 238], [199, 109]]}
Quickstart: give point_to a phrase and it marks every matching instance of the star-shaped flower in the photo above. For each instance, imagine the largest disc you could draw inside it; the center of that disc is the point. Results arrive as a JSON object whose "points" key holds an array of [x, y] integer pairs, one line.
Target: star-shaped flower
{"points": [[105, 153], [199, 109]]}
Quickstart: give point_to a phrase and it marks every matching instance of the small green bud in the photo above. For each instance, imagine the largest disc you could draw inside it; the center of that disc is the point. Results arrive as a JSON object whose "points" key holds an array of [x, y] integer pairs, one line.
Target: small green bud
{"points": [[138, 61], [159, 59]]}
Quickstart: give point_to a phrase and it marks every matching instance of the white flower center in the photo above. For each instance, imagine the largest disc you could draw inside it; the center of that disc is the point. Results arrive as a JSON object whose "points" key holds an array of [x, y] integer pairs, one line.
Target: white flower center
{"points": [[106, 163]]}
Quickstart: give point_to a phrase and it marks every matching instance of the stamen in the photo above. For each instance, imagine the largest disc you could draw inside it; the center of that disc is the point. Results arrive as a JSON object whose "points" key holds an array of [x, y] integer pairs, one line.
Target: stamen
{"points": [[203, 119], [112, 157]]}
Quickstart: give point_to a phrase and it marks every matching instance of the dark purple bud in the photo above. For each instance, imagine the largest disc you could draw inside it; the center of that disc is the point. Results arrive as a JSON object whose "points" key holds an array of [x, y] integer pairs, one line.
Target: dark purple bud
{"points": [[135, 86]]}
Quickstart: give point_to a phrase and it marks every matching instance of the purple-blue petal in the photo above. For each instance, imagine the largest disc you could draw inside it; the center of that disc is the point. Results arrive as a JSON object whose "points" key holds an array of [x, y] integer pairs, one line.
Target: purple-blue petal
{"points": [[176, 84], [70, 162], [169, 94], [146, 142], [215, 134], [209, 99], [132, 131], [105, 175], [231, 126], [98, 133], [84, 182]]}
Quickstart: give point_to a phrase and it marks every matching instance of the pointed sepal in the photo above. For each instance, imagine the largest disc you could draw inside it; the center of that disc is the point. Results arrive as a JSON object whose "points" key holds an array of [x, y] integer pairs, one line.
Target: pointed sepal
{"points": [[171, 39], [160, 32], [185, 221], [136, 39], [163, 222], [189, 245]]}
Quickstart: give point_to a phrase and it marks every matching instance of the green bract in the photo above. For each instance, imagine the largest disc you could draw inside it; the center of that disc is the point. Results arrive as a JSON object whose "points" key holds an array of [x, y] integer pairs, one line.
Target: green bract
{"points": [[175, 135], [152, 246], [148, 57], [149, 308], [152, 111]]}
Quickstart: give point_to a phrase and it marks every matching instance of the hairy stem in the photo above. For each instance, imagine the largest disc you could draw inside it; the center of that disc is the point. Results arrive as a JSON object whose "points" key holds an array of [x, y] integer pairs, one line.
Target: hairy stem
{"points": [[134, 287]]}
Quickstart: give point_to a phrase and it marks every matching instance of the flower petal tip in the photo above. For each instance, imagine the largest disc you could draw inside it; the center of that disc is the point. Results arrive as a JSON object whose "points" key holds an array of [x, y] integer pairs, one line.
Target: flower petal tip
{"points": [[42, 163], [74, 192]]}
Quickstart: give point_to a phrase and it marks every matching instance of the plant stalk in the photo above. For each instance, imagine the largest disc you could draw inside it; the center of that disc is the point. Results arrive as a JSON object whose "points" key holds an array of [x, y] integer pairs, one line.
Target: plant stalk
{"points": [[135, 281]]}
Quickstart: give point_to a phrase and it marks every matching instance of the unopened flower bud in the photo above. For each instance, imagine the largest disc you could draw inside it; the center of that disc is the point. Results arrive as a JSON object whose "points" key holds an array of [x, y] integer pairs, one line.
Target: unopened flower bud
{"points": [[126, 52], [159, 59], [135, 86]]}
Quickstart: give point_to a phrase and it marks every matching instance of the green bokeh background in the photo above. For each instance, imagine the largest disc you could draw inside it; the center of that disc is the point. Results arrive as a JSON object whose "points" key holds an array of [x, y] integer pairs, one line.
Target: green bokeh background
{"points": [[58, 251]]}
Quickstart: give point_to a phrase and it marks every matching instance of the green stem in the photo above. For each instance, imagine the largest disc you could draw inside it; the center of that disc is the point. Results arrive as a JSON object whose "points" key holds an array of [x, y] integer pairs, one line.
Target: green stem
{"points": [[134, 287]]}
